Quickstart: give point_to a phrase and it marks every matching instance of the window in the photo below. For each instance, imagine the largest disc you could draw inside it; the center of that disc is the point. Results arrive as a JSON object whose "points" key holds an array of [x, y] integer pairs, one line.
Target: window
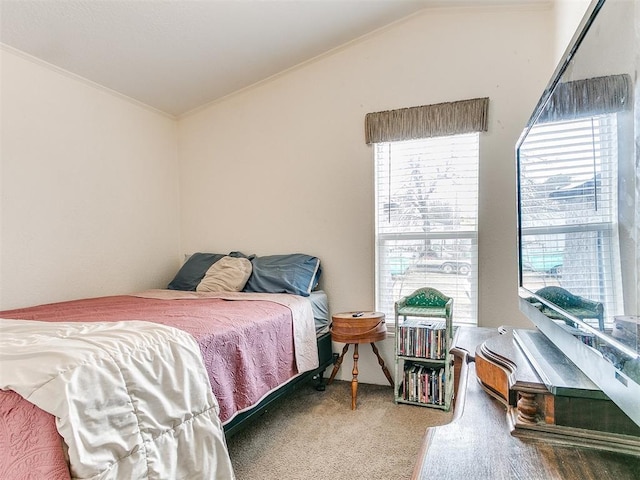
{"points": [[426, 212], [426, 205], [569, 208]]}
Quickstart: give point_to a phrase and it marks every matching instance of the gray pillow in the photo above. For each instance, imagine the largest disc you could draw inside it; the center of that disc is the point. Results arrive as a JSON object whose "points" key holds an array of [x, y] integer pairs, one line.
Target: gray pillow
{"points": [[295, 273], [193, 270]]}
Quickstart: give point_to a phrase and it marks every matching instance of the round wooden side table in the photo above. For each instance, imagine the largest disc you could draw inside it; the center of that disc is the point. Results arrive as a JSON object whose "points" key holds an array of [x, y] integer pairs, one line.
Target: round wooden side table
{"points": [[354, 328]]}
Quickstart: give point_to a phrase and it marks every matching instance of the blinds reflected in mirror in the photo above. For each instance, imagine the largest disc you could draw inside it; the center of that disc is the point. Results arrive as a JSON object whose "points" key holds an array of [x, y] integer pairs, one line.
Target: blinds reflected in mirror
{"points": [[568, 189]]}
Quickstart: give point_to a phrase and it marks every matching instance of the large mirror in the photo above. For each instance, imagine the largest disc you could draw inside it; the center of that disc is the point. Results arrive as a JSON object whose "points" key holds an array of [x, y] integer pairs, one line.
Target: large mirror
{"points": [[579, 219]]}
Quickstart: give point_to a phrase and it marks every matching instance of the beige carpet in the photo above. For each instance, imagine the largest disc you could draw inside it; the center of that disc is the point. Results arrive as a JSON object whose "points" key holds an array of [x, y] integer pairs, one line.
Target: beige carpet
{"points": [[316, 435]]}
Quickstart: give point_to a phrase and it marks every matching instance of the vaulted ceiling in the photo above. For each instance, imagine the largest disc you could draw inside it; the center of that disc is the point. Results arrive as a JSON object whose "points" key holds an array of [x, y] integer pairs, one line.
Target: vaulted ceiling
{"points": [[177, 55]]}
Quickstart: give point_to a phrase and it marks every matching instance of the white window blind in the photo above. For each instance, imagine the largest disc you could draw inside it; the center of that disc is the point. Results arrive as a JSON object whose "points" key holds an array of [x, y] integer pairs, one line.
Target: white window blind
{"points": [[427, 220], [568, 188]]}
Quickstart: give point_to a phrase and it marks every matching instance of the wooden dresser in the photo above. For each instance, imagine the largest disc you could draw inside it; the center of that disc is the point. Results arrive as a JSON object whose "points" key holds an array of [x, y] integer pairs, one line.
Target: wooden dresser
{"points": [[484, 441]]}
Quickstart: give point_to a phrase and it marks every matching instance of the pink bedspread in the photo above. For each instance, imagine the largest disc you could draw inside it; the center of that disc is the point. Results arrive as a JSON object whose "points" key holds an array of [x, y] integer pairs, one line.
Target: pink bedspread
{"points": [[30, 446], [247, 348]]}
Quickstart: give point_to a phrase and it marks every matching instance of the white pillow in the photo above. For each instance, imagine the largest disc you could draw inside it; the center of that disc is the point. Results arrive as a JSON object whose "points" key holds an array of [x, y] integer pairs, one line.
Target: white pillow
{"points": [[229, 274]]}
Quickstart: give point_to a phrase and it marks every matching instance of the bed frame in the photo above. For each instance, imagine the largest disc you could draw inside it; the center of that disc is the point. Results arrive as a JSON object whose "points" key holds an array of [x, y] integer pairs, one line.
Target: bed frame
{"points": [[326, 358]]}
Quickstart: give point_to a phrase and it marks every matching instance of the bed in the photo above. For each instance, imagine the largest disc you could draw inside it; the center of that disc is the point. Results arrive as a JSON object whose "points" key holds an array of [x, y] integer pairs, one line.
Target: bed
{"points": [[256, 344]]}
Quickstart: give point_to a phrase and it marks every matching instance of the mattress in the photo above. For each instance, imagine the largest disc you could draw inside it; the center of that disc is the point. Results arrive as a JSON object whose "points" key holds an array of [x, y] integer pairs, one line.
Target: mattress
{"points": [[320, 306]]}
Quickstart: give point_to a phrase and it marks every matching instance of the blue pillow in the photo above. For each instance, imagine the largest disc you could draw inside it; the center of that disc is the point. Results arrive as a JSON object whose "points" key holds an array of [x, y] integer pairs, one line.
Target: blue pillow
{"points": [[295, 273], [193, 271]]}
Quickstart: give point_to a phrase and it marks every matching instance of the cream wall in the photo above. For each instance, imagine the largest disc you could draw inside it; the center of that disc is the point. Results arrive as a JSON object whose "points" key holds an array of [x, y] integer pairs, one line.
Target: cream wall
{"points": [[568, 15], [89, 189], [283, 167]]}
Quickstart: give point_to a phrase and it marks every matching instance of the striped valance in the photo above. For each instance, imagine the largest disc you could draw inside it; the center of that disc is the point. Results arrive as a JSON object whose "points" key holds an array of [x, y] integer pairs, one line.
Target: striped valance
{"points": [[451, 118], [588, 97]]}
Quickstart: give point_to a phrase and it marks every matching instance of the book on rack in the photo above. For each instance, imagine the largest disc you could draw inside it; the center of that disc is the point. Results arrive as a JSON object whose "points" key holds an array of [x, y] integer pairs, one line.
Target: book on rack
{"points": [[423, 384], [421, 337]]}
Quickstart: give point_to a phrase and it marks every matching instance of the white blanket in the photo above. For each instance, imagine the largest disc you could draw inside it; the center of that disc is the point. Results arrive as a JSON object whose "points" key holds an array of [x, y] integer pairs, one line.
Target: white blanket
{"points": [[131, 399]]}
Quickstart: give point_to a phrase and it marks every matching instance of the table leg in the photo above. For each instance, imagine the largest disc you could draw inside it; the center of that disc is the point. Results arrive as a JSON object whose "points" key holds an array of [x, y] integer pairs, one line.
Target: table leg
{"points": [[354, 382], [385, 370], [336, 367]]}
